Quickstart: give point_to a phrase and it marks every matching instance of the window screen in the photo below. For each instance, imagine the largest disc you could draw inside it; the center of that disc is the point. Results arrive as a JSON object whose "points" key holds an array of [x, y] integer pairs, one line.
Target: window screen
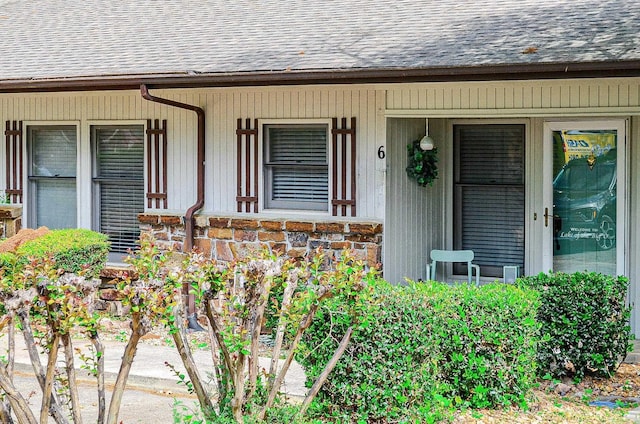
{"points": [[489, 195], [119, 184], [52, 176], [296, 169]]}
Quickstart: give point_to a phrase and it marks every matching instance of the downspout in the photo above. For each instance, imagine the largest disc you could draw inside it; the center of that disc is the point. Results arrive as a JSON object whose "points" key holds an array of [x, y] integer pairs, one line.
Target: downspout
{"points": [[188, 217]]}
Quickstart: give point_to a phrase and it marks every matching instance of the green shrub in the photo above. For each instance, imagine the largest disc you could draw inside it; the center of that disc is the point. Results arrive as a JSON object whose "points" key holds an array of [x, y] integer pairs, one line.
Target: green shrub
{"points": [[7, 261], [485, 343], [382, 373], [74, 250], [427, 347], [585, 321]]}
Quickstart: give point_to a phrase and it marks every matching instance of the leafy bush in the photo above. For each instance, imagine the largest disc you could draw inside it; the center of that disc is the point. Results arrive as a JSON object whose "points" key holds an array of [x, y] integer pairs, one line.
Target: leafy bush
{"points": [[74, 250], [385, 371], [485, 342], [427, 347], [585, 321], [7, 260]]}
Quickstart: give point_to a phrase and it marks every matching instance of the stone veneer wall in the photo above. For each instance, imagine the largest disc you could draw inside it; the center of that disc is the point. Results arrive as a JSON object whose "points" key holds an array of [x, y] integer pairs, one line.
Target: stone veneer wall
{"points": [[229, 238], [10, 220]]}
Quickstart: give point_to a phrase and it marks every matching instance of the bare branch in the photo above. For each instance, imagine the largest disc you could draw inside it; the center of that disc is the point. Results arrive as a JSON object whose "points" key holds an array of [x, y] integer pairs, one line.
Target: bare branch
{"points": [[99, 347], [123, 374], [179, 337], [30, 342], [48, 380], [292, 285], [19, 404], [71, 375], [326, 371]]}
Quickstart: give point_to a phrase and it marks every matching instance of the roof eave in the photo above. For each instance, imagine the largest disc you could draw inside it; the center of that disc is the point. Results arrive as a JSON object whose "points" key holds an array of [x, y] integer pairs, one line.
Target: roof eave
{"points": [[611, 69]]}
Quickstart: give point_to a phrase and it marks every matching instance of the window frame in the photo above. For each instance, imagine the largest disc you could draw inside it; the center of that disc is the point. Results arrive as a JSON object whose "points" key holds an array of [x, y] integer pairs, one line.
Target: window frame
{"points": [[29, 201], [114, 256], [265, 205]]}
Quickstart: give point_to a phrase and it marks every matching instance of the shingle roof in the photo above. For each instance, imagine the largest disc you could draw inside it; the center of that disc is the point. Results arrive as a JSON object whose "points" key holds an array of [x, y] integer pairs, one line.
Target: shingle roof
{"points": [[46, 39]]}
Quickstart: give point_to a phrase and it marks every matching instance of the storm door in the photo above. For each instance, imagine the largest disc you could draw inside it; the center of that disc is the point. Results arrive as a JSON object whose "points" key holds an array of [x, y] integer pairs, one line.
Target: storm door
{"points": [[584, 213]]}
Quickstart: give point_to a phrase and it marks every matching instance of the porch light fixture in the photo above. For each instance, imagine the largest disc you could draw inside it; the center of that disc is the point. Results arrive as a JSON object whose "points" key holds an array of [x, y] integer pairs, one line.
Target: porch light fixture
{"points": [[426, 143]]}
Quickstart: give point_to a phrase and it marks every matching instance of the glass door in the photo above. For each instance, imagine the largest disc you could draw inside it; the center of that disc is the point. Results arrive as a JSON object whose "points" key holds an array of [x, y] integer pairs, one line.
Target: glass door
{"points": [[584, 196]]}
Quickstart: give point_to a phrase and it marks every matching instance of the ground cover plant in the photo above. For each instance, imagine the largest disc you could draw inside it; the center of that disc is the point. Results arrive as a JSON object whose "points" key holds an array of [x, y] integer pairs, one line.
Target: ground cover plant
{"points": [[429, 348]]}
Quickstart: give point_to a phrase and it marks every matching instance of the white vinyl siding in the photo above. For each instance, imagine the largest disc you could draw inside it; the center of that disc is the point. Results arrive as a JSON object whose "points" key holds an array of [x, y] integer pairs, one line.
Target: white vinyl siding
{"points": [[516, 98], [119, 183], [489, 195], [414, 223], [52, 176], [296, 167], [223, 107]]}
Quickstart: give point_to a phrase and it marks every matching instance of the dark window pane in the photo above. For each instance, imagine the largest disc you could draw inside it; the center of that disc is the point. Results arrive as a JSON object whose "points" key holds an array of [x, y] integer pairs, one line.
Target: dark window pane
{"points": [[489, 195], [296, 170], [119, 184]]}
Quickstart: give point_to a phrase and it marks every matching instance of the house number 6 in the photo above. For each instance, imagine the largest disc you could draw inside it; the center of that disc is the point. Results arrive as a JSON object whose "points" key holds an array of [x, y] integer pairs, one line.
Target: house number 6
{"points": [[381, 153]]}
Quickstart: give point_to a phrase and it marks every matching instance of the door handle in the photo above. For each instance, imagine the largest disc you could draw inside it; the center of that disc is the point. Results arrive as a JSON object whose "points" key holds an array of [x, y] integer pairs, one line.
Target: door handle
{"points": [[546, 217]]}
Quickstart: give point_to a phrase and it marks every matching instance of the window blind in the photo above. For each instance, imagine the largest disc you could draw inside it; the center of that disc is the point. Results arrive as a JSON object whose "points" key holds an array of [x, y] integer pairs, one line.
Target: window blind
{"points": [[55, 201], [52, 176], [119, 181], [53, 152], [489, 195], [296, 167]]}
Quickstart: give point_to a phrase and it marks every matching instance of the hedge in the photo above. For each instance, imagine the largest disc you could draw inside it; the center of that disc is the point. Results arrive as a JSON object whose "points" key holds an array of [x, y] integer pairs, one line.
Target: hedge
{"points": [[428, 347], [6, 261], [74, 250], [585, 322]]}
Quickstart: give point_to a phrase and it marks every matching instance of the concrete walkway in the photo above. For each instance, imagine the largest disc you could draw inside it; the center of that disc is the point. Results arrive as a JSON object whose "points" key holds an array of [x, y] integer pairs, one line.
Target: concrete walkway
{"points": [[151, 387]]}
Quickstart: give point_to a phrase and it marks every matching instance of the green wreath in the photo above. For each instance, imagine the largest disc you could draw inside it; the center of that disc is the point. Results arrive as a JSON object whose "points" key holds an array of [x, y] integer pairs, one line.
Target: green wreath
{"points": [[422, 164]]}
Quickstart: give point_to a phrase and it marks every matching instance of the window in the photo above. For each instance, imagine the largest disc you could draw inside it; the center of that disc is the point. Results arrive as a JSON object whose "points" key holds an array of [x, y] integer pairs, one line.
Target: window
{"points": [[489, 195], [296, 167], [52, 176], [118, 184]]}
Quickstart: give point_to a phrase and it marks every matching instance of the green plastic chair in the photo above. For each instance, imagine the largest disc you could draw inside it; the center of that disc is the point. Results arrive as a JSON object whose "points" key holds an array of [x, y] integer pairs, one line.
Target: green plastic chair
{"points": [[453, 256]]}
